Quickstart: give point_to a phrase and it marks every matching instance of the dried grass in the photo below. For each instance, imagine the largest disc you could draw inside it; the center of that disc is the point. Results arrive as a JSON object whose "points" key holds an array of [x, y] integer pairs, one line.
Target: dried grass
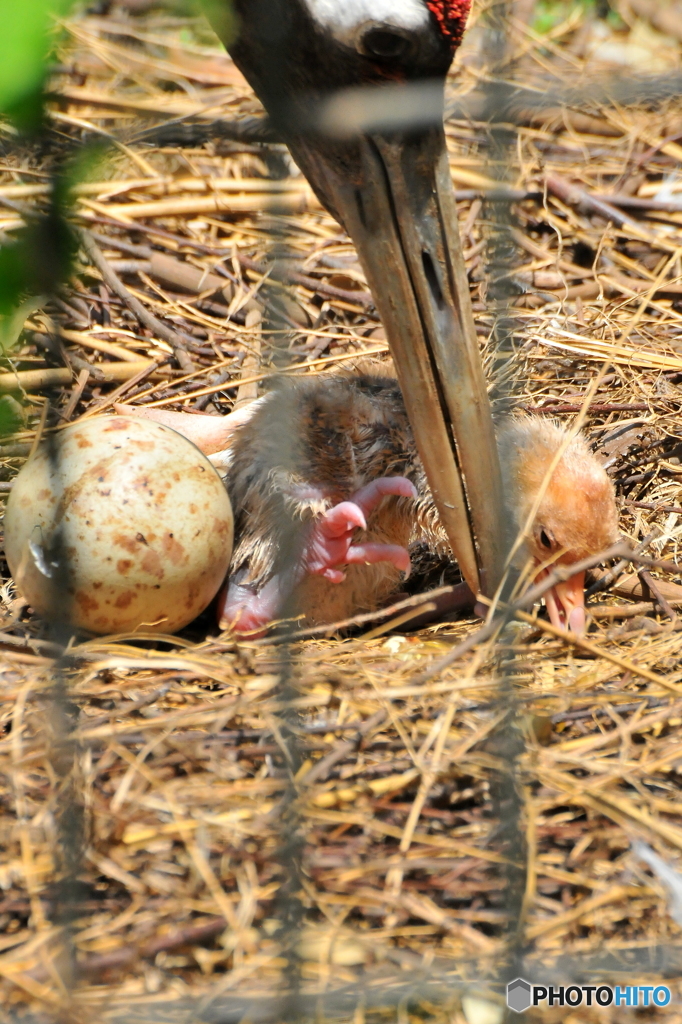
{"points": [[433, 812]]}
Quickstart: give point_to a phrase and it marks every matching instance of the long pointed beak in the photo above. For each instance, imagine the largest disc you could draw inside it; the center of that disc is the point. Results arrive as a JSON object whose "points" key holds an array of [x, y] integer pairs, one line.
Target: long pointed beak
{"points": [[393, 192], [566, 604]]}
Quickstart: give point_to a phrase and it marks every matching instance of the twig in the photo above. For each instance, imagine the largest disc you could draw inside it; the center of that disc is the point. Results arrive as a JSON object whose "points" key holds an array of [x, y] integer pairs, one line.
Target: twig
{"points": [[632, 587], [637, 203], [181, 131], [656, 563], [311, 283], [97, 345], [248, 392], [193, 935], [612, 575], [653, 506], [620, 611], [40, 430], [127, 385], [175, 271], [295, 368], [134, 305], [650, 583], [588, 712], [584, 201], [321, 768], [30, 380], [406, 619], [595, 407], [76, 395]]}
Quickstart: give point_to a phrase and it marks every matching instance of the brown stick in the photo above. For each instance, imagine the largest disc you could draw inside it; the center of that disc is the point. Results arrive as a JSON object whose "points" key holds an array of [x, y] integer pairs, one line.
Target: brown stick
{"points": [[653, 587], [96, 343], [189, 278], [319, 770], [655, 563], [616, 282], [607, 579], [211, 389], [596, 407], [35, 380], [184, 275], [192, 935], [292, 202], [76, 395], [313, 284], [584, 201], [620, 611], [111, 399], [653, 507], [639, 203], [134, 305], [633, 587]]}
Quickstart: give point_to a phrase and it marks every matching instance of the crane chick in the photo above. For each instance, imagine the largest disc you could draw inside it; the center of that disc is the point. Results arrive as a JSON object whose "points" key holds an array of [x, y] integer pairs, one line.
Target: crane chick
{"points": [[336, 457], [331, 501]]}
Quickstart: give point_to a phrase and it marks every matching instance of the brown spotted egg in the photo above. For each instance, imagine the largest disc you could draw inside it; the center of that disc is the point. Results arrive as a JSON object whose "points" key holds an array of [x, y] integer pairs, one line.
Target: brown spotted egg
{"points": [[118, 524]]}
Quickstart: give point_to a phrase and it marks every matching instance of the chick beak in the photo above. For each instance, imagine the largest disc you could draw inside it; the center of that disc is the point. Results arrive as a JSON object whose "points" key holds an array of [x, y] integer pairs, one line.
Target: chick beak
{"points": [[566, 604]]}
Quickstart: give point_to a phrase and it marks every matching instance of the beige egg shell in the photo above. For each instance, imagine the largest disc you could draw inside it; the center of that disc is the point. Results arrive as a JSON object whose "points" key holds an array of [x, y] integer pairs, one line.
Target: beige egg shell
{"points": [[116, 524]]}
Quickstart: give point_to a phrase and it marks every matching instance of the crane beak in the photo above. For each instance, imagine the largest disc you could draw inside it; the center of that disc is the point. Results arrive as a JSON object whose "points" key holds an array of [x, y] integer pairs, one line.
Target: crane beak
{"points": [[393, 193], [566, 604]]}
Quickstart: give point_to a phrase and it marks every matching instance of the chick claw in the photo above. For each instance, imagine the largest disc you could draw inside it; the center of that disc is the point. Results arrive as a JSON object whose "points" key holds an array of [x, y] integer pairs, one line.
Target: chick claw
{"points": [[330, 543]]}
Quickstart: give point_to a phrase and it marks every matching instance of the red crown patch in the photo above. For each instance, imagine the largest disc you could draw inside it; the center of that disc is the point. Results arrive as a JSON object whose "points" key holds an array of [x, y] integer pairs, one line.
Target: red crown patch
{"points": [[451, 16]]}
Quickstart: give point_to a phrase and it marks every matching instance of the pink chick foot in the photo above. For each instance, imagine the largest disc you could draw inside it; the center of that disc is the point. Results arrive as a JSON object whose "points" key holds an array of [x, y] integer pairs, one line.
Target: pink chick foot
{"points": [[330, 543]]}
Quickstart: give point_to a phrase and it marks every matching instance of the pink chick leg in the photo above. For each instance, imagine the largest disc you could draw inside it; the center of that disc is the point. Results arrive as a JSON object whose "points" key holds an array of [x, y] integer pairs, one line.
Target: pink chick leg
{"points": [[329, 545]]}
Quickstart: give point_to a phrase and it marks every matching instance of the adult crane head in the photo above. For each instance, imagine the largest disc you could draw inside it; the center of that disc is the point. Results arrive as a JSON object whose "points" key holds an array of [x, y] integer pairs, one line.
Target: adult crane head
{"points": [[355, 88]]}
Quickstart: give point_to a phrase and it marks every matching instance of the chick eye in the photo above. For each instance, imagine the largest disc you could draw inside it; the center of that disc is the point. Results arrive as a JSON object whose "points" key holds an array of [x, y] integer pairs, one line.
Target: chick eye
{"points": [[546, 539], [384, 44]]}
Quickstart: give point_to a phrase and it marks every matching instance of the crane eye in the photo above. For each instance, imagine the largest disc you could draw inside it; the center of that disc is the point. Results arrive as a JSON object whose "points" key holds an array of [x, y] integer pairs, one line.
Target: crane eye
{"points": [[546, 539], [383, 43]]}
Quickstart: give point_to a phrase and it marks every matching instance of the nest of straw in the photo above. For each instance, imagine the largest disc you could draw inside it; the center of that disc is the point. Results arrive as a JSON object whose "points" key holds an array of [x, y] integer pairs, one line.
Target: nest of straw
{"points": [[359, 826]]}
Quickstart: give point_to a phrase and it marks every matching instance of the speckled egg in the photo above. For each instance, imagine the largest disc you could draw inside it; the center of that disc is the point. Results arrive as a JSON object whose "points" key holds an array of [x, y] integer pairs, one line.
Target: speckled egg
{"points": [[119, 524]]}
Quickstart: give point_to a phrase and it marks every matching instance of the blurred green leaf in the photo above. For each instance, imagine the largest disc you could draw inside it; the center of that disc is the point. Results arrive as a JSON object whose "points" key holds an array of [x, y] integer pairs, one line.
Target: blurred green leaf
{"points": [[12, 324], [26, 26], [222, 18], [37, 261], [12, 415], [550, 13]]}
